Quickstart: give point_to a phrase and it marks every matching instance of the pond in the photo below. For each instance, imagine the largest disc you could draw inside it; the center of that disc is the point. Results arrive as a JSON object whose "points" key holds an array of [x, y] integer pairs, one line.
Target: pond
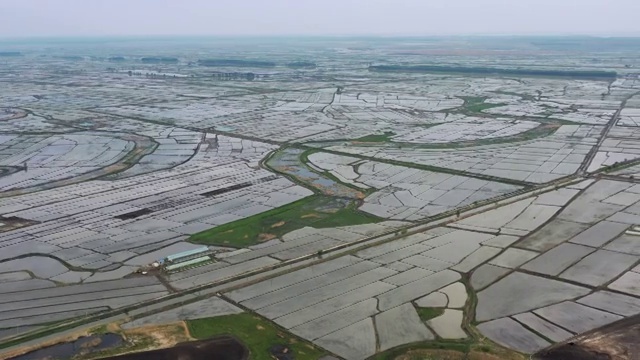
{"points": [[82, 346], [288, 161], [218, 348]]}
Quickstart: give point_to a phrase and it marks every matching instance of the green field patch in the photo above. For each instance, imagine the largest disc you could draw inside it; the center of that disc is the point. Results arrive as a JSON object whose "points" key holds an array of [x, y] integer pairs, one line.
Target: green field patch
{"points": [[315, 211], [437, 350], [473, 104], [429, 313], [449, 350], [386, 137], [256, 333], [527, 97]]}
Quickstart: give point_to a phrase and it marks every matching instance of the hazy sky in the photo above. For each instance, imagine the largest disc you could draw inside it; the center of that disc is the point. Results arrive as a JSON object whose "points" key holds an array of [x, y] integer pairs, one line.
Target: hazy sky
{"points": [[317, 17]]}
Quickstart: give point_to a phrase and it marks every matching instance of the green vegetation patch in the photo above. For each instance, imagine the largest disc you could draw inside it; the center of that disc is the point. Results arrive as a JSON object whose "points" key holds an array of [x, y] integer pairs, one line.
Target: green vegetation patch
{"points": [[256, 333], [413, 352], [476, 347], [302, 65], [449, 350], [619, 166], [386, 137], [545, 129], [477, 104], [429, 313], [315, 211], [236, 63], [159, 60], [304, 157]]}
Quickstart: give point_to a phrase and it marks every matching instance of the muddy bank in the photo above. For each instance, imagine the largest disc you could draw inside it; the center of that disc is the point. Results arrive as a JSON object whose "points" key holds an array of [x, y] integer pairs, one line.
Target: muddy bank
{"points": [[617, 341], [219, 348]]}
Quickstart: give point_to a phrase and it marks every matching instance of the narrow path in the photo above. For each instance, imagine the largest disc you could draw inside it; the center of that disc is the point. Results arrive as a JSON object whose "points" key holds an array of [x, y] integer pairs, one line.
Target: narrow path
{"points": [[582, 170], [425, 167]]}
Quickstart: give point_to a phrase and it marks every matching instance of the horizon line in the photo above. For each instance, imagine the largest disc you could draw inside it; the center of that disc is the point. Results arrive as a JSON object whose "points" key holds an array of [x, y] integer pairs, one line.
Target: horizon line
{"points": [[388, 36]]}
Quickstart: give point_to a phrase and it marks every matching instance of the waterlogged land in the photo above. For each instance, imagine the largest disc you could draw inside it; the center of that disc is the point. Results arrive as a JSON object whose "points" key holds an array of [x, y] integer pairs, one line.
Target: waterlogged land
{"points": [[359, 198]]}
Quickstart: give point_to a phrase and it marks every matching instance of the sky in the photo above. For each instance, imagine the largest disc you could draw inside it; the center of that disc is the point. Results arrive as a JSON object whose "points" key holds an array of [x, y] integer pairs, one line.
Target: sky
{"points": [[35, 18]]}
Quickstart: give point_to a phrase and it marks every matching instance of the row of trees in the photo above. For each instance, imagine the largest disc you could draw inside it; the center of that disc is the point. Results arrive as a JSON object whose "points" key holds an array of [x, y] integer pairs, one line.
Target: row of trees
{"points": [[495, 71], [235, 76], [227, 76]]}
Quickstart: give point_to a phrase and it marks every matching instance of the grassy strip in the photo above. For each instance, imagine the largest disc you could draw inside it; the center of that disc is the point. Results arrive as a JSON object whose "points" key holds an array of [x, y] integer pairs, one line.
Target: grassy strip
{"points": [[256, 333], [459, 347], [315, 211], [541, 131], [548, 127], [49, 330], [431, 168], [449, 350], [618, 166], [304, 157]]}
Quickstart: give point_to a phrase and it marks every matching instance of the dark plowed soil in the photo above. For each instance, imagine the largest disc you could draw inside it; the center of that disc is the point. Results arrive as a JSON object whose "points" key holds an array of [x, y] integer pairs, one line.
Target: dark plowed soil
{"points": [[219, 348], [618, 341]]}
